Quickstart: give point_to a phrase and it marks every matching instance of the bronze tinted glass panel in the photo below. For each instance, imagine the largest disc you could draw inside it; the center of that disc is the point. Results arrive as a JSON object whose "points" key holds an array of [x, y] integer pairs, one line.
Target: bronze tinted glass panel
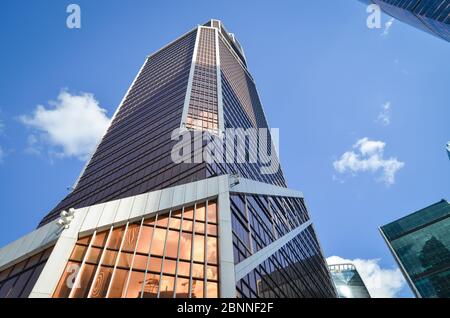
{"points": [[151, 286], [116, 238], [182, 290], [197, 288], [101, 283], [118, 283], [159, 238], [166, 287], [172, 244], [100, 239], [155, 264], [200, 212], [143, 245], [185, 246], [212, 290], [212, 250], [184, 268], [212, 212], [85, 278], [188, 213], [135, 285], [130, 238], [199, 248]]}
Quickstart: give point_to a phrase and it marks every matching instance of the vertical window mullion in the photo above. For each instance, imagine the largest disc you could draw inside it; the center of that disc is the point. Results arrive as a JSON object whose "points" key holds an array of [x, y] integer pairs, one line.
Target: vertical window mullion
{"points": [[205, 266], [178, 253], [192, 250], [164, 255], [148, 257], [99, 263], [117, 259], [77, 279], [132, 260]]}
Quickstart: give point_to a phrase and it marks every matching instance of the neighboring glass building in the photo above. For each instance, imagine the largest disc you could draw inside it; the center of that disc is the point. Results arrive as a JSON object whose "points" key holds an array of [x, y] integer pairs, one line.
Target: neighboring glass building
{"points": [[140, 224], [432, 16], [420, 243], [348, 282]]}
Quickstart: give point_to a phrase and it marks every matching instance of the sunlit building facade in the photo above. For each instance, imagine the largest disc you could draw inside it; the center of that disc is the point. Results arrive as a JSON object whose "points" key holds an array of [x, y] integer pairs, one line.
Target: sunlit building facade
{"points": [[348, 282], [420, 243], [432, 16], [139, 224]]}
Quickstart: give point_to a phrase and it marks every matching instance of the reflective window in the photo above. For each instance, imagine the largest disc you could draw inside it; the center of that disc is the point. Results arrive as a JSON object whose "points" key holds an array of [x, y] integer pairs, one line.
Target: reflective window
{"points": [[157, 257]]}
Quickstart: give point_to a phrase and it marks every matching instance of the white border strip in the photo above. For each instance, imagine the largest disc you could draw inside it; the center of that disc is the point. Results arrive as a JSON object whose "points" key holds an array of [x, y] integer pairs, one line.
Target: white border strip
{"points": [[187, 98]]}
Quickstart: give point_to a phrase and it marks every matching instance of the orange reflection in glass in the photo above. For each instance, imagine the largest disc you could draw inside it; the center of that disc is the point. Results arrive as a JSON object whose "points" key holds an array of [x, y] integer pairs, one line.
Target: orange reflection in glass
{"points": [[118, 283], [66, 281], [101, 283], [199, 227], [183, 268], [198, 270], [130, 238], [151, 286], [212, 290], [150, 221], [155, 264], [197, 288], [172, 244], [182, 290], [187, 225], [162, 220], [169, 266], [125, 259], [158, 242], [212, 250], [200, 212], [199, 248], [212, 229], [93, 255], [185, 246], [135, 285], [212, 212], [211, 272], [100, 239], [84, 281], [188, 213], [110, 257], [78, 253], [140, 262], [166, 288], [174, 223], [145, 237], [116, 238]]}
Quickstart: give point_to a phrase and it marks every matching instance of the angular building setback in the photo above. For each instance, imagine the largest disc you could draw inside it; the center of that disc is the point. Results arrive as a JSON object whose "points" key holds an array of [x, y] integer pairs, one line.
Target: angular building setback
{"points": [[420, 243], [432, 16], [140, 224], [348, 282]]}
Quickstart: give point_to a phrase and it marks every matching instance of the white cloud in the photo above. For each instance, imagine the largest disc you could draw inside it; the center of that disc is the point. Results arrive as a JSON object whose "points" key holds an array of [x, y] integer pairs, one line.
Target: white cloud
{"points": [[368, 155], [71, 126], [2, 154], [384, 117], [380, 282], [387, 27]]}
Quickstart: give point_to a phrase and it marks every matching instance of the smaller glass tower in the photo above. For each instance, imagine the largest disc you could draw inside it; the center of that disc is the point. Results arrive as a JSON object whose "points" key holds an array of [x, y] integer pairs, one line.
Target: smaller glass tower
{"points": [[420, 243], [348, 282]]}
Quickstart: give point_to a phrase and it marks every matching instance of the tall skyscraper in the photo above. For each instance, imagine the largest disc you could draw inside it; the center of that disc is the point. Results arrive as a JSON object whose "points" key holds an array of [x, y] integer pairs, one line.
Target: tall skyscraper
{"points": [[183, 197], [432, 16], [348, 282], [420, 243]]}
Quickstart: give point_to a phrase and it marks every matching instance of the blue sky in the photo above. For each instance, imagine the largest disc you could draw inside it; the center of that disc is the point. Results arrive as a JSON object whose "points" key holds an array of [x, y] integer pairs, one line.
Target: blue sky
{"points": [[323, 77]]}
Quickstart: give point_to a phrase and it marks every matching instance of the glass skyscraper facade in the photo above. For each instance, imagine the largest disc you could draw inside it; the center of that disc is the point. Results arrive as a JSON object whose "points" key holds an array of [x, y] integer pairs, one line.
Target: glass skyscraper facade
{"points": [[432, 16], [140, 224], [420, 243], [348, 282]]}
